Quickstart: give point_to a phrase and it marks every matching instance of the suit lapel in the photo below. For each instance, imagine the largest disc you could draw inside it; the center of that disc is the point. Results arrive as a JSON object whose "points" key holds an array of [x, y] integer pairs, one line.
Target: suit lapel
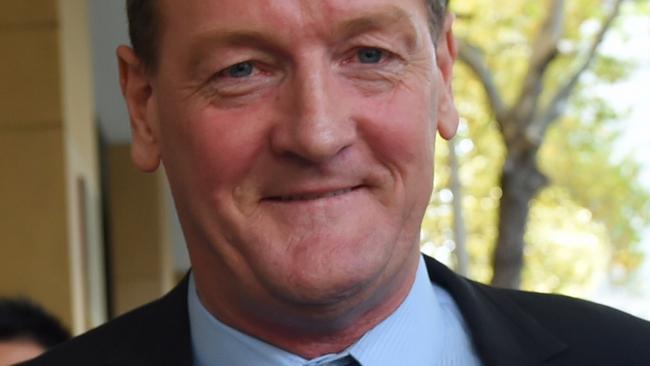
{"points": [[502, 333], [161, 338]]}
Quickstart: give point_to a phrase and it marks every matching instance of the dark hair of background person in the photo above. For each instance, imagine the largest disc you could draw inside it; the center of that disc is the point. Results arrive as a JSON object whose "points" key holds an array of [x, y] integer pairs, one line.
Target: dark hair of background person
{"points": [[21, 319], [144, 24]]}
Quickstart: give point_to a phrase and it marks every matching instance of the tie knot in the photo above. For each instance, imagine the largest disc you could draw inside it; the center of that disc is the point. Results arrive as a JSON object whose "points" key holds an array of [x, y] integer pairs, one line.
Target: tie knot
{"points": [[343, 361]]}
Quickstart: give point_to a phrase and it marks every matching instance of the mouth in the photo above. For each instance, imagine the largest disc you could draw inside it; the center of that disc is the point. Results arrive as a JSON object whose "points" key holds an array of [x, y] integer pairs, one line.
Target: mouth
{"points": [[311, 196]]}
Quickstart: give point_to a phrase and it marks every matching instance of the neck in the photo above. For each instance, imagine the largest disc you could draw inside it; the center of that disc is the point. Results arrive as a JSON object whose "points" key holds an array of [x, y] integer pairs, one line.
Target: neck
{"points": [[315, 330]]}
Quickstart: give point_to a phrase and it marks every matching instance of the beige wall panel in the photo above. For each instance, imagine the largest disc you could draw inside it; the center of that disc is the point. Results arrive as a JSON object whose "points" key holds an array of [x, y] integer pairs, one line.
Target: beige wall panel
{"points": [[34, 250], [81, 165], [27, 12], [29, 70], [138, 253]]}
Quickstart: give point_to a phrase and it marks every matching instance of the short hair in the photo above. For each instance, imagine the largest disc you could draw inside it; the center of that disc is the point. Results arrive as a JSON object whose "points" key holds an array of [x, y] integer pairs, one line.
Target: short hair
{"points": [[23, 320], [144, 27]]}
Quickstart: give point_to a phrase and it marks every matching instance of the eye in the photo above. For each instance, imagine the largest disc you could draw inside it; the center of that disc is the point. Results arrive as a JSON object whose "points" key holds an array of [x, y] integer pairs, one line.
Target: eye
{"points": [[370, 55], [240, 70], [249, 78]]}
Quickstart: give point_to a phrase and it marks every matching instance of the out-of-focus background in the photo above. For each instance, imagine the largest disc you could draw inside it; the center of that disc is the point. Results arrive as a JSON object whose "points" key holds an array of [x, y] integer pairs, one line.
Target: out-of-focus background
{"points": [[546, 187]]}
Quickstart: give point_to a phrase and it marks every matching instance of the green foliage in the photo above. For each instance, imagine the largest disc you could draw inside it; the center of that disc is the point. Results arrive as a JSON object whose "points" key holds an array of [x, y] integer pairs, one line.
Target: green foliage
{"points": [[580, 159], [642, 7], [586, 224], [567, 249]]}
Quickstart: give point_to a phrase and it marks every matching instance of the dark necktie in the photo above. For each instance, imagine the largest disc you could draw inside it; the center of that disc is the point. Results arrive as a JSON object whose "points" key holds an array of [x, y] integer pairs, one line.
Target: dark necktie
{"points": [[345, 361]]}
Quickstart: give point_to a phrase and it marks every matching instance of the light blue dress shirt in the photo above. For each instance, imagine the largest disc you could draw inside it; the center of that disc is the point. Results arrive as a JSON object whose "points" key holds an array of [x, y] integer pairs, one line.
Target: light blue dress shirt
{"points": [[425, 330]]}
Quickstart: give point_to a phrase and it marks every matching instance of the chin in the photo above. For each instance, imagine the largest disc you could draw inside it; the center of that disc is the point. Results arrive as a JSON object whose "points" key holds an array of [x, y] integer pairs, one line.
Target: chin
{"points": [[328, 279]]}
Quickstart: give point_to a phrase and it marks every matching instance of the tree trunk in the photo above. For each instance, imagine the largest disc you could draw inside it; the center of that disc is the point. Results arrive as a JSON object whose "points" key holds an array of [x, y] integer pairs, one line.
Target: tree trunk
{"points": [[521, 180]]}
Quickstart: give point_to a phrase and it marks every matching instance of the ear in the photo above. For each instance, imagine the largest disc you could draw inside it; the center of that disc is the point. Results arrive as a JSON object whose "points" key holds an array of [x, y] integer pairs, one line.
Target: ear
{"points": [[137, 92], [446, 54]]}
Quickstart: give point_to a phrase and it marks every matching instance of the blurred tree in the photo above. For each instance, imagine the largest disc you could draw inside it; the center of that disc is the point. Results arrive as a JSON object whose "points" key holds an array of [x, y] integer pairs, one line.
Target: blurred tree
{"points": [[512, 92], [456, 189]]}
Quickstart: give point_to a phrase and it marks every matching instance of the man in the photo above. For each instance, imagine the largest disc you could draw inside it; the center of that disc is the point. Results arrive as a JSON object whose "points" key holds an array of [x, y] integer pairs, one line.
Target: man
{"points": [[298, 138], [26, 331]]}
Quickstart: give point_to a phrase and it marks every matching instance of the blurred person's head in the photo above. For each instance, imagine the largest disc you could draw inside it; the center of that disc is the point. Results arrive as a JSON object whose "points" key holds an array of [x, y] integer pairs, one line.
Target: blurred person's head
{"points": [[26, 331]]}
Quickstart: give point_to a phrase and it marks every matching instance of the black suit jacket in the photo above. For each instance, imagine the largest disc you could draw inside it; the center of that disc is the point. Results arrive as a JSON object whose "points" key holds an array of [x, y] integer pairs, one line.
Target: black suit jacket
{"points": [[507, 328]]}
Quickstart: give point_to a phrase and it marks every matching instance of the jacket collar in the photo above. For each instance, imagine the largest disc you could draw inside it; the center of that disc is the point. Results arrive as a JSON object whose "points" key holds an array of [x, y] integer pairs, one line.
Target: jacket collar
{"points": [[160, 337], [502, 332]]}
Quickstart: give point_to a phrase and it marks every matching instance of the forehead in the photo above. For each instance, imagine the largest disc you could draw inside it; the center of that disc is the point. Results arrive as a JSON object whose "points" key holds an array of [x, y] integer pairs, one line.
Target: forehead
{"points": [[194, 17]]}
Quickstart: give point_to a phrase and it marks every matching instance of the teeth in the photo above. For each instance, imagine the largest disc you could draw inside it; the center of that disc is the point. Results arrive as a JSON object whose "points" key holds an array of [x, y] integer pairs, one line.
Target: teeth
{"points": [[314, 197]]}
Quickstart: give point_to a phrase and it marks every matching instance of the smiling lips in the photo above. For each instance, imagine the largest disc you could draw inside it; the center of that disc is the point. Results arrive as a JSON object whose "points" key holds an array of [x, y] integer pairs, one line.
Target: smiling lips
{"points": [[313, 196]]}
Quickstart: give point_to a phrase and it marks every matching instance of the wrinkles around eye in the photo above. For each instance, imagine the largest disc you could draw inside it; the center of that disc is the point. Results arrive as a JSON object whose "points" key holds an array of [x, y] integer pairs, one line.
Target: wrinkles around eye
{"points": [[239, 79], [388, 66]]}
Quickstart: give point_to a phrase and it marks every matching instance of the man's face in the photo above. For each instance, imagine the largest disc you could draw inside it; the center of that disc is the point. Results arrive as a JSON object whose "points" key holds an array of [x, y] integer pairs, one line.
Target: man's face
{"points": [[298, 139]]}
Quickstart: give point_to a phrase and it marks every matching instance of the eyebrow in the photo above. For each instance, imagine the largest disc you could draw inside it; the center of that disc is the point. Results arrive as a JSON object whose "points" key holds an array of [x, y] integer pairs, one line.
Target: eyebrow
{"points": [[234, 37], [387, 17], [225, 38]]}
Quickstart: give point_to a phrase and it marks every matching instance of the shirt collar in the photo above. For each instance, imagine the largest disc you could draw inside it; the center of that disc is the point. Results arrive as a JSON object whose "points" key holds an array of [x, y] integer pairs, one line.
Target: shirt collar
{"points": [[409, 335]]}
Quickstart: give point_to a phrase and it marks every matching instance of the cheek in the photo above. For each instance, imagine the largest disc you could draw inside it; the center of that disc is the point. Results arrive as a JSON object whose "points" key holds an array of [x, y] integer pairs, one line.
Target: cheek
{"points": [[399, 129], [214, 148], [227, 144]]}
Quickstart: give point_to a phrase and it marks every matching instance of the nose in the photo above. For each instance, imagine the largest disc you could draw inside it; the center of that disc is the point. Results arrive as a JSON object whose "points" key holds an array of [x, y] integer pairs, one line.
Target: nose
{"points": [[314, 126]]}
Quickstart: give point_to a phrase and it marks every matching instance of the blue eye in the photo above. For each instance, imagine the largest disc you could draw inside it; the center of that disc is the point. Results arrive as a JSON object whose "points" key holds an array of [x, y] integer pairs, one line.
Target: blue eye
{"points": [[370, 55], [240, 70]]}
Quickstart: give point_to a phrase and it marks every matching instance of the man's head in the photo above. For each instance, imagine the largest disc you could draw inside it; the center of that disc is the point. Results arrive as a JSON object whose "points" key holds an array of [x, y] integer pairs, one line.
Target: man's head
{"points": [[297, 137], [26, 331]]}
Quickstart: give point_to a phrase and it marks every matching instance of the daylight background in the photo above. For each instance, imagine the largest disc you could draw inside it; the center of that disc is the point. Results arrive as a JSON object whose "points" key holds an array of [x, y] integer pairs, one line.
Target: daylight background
{"points": [[587, 233]]}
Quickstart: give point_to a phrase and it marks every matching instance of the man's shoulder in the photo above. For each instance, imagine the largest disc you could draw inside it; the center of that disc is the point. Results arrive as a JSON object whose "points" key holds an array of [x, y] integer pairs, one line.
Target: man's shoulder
{"points": [[566, 313], [141, 336], [590, 330], [511, 327]]}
